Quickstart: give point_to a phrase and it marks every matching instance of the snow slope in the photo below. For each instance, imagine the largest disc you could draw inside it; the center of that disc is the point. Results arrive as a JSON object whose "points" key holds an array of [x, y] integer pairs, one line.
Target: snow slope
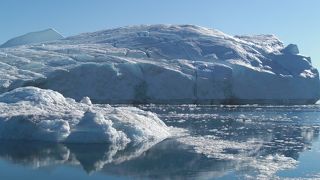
{"points": [[33, 37], [164, 64], [30, 113]]}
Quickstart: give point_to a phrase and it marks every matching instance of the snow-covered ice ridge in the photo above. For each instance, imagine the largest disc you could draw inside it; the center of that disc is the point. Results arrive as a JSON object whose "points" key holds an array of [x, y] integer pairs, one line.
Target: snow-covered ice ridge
{"points": [[30, 113], [172, 64], [34, 37]]}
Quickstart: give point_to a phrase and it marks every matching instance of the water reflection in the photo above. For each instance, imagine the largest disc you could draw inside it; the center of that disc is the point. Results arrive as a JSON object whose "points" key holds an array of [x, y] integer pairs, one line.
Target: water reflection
{"points": [[225, 142], [91, 157], [261, 140], [168, 159], [34, 154]]}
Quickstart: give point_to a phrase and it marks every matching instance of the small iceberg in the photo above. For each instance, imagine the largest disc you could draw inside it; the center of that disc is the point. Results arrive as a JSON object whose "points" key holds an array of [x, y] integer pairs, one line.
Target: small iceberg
{"points": [[30, 113]]}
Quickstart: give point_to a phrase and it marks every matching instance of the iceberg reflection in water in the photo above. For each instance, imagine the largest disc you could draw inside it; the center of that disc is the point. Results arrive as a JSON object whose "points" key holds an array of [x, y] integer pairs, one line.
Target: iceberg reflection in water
{"points": [[246, 142]]}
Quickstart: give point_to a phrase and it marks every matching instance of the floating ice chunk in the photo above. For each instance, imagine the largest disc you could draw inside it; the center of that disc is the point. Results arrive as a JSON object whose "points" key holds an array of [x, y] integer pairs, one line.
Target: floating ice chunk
{"points": [[31, 113], [243, 153]]}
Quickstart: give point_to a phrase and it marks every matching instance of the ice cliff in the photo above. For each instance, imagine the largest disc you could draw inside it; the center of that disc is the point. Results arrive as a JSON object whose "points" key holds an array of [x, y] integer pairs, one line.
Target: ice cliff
{"points": [[164, 64]]}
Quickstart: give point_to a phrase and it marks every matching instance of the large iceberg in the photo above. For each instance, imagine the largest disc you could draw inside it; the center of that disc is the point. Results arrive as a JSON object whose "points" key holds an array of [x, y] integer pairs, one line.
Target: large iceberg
{"points": [[171, 64], [30, 113]]}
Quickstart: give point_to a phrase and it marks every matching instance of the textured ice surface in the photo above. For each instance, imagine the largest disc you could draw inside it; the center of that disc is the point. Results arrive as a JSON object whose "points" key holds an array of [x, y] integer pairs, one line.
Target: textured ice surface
{"points": [[164, 64], [31, 113]]}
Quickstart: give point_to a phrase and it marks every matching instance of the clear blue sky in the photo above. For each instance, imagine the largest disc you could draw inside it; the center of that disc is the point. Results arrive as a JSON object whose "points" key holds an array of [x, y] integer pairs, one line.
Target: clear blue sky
{"points": [[293, 21]]}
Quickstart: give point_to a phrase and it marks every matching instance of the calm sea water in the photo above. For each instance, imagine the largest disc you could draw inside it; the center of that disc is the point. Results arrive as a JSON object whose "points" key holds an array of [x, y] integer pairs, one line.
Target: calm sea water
{"points": [[220, 142]]}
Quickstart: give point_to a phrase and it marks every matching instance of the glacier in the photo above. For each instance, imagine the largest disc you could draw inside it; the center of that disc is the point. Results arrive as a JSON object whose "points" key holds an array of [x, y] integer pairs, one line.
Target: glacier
{"points": [[165, 64]]}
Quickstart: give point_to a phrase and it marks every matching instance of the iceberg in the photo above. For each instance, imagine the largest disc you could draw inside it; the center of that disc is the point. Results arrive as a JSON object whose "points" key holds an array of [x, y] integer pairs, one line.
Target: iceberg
{"points": [[165, 64], [30, 113]]}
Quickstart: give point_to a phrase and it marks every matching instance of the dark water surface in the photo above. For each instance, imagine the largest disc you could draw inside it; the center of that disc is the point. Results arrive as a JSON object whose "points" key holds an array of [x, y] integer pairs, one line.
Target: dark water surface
{"points": [[221, 142]]}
